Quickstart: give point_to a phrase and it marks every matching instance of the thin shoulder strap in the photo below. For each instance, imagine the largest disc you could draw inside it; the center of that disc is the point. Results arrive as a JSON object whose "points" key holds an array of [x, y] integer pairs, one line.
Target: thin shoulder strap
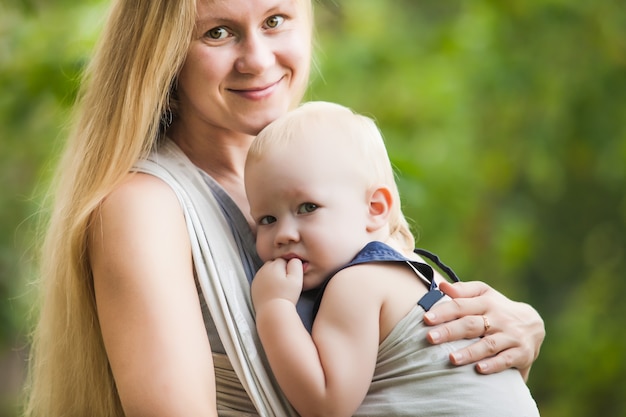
{"points": [[434, 294], [445, 268]]}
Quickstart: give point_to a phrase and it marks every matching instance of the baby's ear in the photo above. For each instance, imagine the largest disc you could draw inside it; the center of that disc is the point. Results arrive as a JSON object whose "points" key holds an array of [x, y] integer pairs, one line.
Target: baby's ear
{"points": [[380, 202]]}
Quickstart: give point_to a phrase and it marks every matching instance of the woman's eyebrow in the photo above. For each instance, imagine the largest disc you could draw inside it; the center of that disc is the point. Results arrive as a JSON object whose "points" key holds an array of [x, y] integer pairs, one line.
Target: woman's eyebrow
{"points": [[212, 20]]}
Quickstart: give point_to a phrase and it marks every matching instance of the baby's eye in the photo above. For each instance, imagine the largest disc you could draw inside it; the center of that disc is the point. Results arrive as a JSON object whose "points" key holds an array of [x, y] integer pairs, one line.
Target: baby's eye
{"points": [[307, 208], [273, 22], [267, 220], [217, 33]]}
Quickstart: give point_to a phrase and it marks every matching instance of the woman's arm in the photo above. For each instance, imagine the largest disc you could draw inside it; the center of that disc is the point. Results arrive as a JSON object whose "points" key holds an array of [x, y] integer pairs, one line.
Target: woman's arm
{"points": [[148, 304], [512, 340]]}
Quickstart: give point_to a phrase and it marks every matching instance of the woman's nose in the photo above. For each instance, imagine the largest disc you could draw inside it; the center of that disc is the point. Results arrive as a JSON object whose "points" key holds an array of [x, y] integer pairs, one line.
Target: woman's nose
{"points": [[256, 54]]}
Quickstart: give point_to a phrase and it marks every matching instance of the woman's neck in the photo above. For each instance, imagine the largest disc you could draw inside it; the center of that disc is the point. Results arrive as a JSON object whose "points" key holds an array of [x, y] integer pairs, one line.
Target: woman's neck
{"points": [[220, 154]]}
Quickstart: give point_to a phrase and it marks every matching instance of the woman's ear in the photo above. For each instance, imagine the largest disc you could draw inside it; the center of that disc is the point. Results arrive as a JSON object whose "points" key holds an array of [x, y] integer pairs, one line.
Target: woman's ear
{"points": [[380, 202]]}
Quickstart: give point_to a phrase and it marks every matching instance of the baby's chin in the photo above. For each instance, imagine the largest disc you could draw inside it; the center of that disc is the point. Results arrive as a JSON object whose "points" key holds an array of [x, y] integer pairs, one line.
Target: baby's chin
{"points": [[310, 282]]}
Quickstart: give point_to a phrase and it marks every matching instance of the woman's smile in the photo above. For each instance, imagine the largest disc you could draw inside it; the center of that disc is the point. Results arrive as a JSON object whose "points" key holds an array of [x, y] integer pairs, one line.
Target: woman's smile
{"points": [[257, 93]]}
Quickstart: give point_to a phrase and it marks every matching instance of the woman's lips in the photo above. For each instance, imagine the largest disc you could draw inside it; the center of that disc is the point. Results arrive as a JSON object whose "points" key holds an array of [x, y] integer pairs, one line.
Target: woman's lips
{"points": [[257, 93]]}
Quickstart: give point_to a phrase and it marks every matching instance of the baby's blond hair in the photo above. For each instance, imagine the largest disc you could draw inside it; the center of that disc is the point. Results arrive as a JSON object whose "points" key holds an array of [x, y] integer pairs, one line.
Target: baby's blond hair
{"points": [[362, 139]]}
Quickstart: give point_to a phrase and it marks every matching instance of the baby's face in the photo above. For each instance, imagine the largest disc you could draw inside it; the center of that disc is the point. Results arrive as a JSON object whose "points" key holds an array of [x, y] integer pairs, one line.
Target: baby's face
{"points": [[307, 204]]}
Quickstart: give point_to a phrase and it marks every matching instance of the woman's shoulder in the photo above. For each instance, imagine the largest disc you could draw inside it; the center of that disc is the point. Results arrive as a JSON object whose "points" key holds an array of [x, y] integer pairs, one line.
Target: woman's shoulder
{"points": [[139, 190], [138, 230], [140, 205], [143, 183]]}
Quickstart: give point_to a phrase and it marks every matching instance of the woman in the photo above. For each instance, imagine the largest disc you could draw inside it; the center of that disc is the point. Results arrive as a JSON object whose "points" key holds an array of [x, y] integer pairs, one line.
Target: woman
{"points": [[140, 272]]}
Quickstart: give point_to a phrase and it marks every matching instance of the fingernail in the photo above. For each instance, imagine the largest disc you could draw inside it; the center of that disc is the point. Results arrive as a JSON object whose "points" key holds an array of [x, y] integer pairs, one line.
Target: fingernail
{"points": [[430, 316], [483, 366], [434, 336], [456, 357]]}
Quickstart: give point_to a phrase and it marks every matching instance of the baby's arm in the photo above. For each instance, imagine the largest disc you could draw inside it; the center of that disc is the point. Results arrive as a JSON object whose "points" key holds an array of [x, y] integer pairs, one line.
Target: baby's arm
{"points": [[329, 374]]}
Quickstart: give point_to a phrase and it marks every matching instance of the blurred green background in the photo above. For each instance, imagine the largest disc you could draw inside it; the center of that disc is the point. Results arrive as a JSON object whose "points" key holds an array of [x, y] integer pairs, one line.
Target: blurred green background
{"points": [[506, 121]]}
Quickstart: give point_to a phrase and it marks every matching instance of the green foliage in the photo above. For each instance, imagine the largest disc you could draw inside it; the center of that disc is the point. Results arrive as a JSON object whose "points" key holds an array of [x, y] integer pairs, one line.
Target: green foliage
{"points": [[504, 120], [42, 50], [40, 61]]}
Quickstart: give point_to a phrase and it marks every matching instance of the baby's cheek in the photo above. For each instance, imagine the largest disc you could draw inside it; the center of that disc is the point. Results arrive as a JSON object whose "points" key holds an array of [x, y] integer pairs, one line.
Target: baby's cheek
{"points": [[264, 247]]}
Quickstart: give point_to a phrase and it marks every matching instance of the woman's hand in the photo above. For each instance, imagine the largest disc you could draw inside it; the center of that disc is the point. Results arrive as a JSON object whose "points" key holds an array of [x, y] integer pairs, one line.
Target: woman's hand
{"points": [[511, 332]]}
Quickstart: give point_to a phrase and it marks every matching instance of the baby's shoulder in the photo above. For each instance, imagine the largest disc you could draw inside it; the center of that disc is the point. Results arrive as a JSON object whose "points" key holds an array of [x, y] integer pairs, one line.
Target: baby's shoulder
{"points": [[376, 278]]}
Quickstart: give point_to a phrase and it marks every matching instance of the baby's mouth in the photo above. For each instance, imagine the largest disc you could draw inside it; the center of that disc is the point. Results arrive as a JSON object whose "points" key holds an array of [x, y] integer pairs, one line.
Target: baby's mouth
{"points": [[305, 264]]}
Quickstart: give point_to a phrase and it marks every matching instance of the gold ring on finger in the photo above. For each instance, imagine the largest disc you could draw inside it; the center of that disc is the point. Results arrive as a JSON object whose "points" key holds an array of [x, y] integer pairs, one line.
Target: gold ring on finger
{"points": [[486, 324]]}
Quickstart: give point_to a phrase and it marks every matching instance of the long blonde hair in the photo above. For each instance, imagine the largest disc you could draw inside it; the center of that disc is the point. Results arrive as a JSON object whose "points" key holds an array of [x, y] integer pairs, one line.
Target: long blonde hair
{"points": [[124, 93]]}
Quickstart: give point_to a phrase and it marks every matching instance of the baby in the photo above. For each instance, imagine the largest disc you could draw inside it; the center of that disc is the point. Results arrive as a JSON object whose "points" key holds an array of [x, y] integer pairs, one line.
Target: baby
{"points": [[328, 218]]}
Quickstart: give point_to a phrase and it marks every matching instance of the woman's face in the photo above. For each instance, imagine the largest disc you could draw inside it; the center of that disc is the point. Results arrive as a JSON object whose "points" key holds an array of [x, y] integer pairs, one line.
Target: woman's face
{"points": [[248, 63]]}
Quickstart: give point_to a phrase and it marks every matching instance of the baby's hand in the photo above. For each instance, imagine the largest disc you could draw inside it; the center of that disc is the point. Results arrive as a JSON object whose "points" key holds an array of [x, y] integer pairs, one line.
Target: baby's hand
{"points": [[277, 279]]}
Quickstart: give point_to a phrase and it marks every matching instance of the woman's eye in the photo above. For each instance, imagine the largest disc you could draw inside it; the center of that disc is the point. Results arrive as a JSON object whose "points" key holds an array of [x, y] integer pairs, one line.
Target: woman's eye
{"points": [[307, 208], [267, 220], [217, 33], [273, 22]]}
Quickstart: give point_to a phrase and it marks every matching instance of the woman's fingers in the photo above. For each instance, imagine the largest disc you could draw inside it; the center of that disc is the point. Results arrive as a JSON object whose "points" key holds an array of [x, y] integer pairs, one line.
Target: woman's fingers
{"points": [[468, 299], [467, 327], [511, 333], [467, 289], [486, 347], [481, 353], [492, 353]]}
